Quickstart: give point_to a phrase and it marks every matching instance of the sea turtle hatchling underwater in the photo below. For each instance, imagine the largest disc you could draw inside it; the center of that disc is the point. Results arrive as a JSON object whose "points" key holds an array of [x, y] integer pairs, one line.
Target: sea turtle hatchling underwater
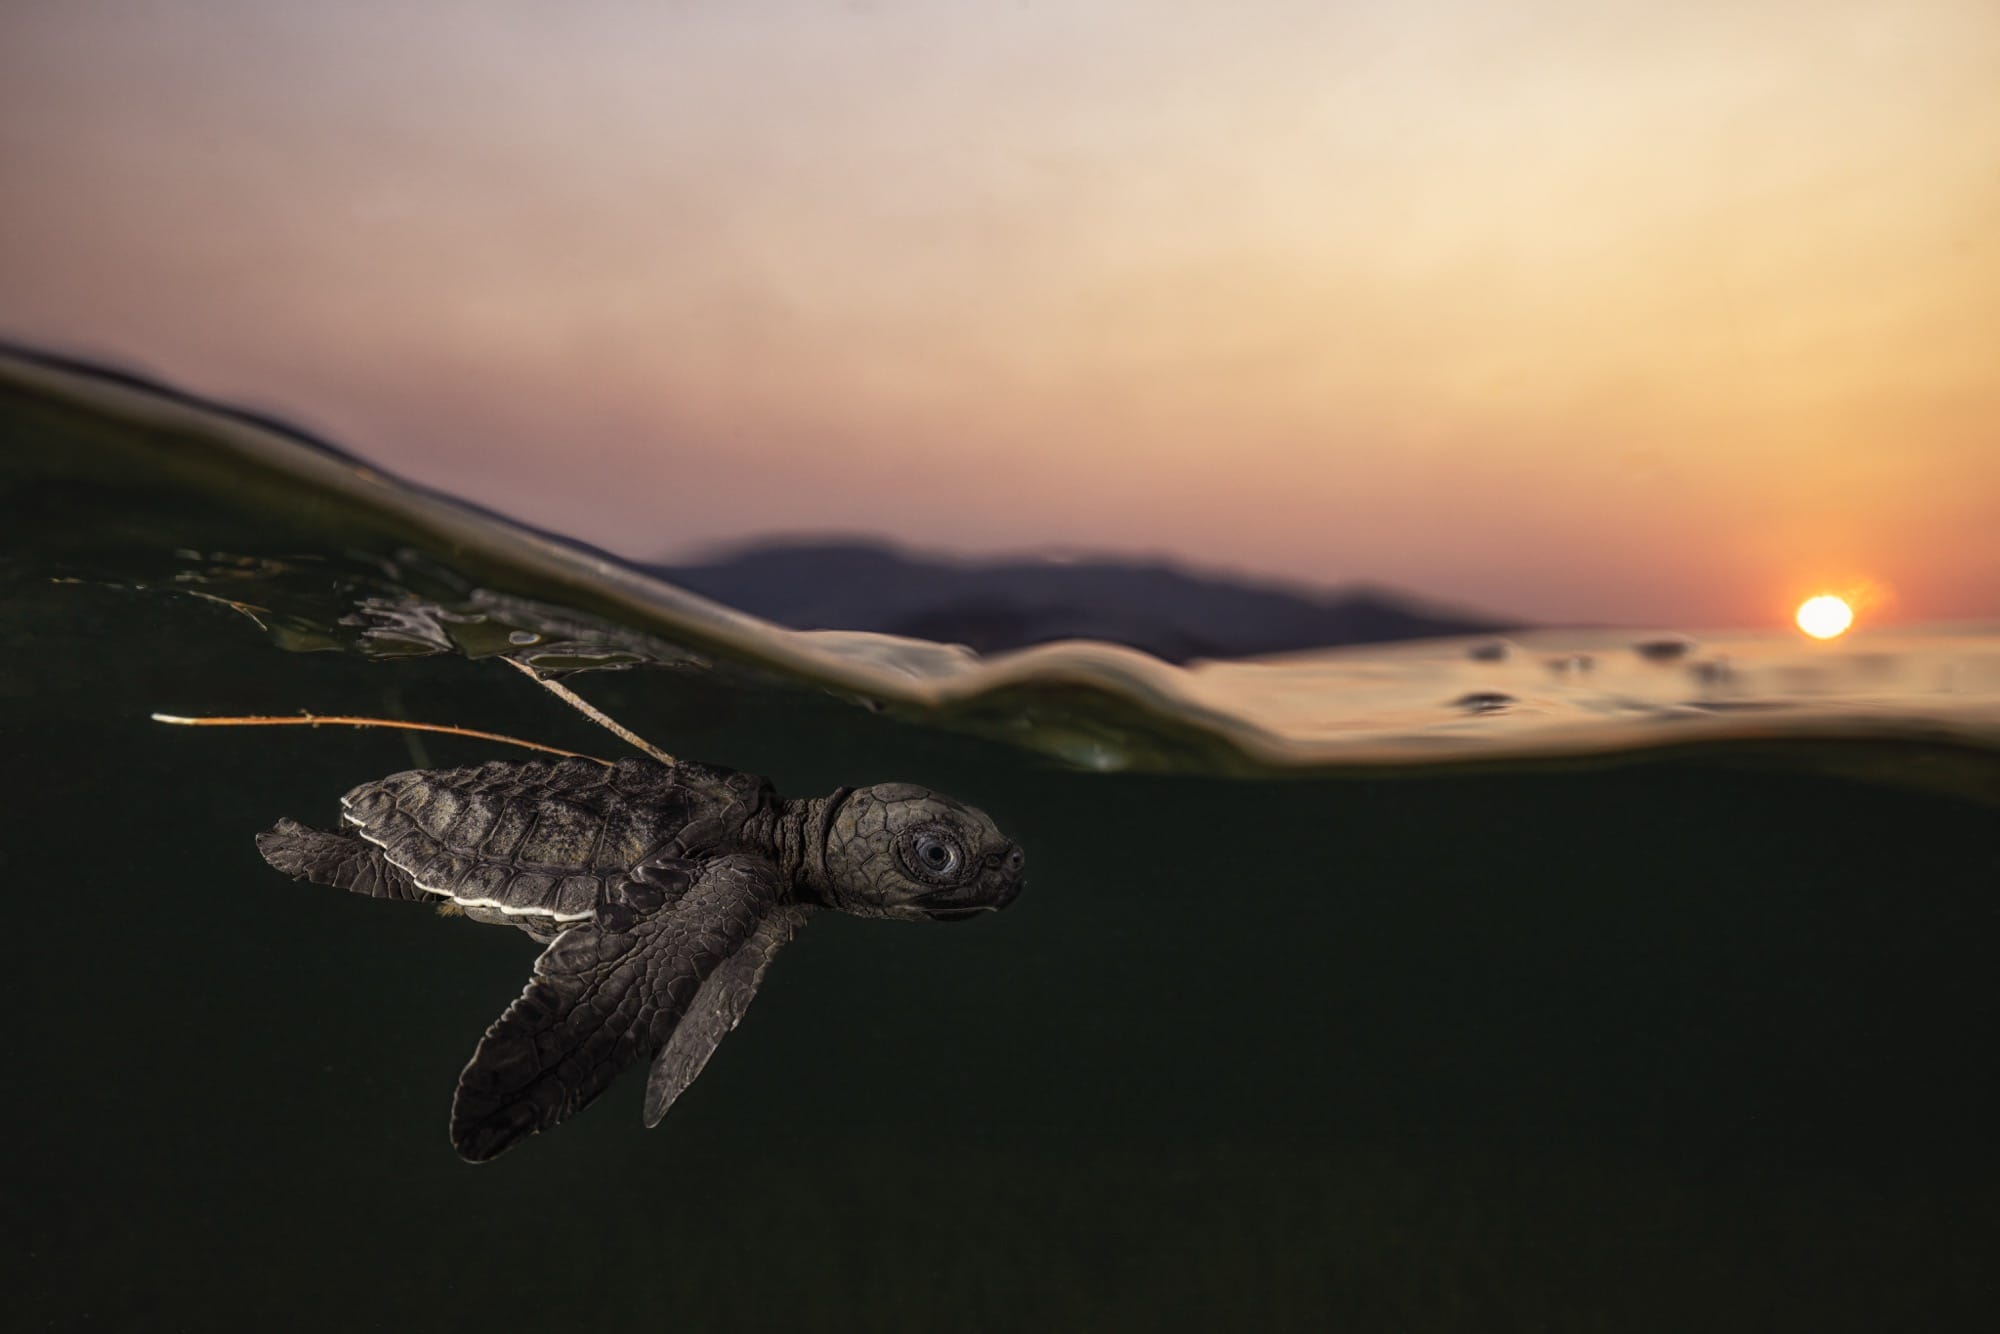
{"points": [[661, 890]]}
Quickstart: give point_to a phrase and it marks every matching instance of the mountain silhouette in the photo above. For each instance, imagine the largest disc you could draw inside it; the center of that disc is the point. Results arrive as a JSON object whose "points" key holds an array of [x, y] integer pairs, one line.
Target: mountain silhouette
{"points": [[1168, 611]]}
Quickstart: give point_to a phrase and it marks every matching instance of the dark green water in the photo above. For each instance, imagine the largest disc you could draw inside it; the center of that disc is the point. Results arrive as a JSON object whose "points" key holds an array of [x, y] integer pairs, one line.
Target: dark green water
{"points": [[1653, 1046]]}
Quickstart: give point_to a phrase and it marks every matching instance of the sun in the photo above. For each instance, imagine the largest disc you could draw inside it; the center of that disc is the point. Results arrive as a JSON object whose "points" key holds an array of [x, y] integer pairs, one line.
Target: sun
{"points": [[1825, 616]]}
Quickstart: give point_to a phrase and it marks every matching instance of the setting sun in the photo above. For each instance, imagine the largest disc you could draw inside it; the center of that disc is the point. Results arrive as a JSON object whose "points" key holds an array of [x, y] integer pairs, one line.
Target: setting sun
{"points": [[1825, 616]]}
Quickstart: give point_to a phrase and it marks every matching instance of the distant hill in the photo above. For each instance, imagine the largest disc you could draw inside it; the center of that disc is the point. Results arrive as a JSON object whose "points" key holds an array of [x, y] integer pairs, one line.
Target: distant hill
{"points": [[1172, 613]]}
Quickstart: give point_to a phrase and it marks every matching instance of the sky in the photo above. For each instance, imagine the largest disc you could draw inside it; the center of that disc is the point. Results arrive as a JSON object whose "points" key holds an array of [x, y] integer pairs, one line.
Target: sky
{"points": [[1591, 310]]}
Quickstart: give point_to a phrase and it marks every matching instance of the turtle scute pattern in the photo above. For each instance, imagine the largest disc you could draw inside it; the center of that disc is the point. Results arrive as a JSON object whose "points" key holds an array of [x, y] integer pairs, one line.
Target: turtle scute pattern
{"points": [[550, 839]]}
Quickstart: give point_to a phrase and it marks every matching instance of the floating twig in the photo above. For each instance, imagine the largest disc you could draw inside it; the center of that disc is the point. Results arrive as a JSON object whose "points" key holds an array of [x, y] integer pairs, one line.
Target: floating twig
{"points": [[344, 720], [589, 710]]}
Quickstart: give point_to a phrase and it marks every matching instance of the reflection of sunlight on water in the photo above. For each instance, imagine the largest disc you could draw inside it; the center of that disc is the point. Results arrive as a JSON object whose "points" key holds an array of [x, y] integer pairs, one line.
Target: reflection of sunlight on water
{"points": [[1595, 690]]}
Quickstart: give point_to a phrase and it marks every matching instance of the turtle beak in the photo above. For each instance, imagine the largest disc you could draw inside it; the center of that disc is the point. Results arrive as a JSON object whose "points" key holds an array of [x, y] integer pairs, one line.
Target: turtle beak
{"points": [[953, 905], [1007, 895], [956, 914]]}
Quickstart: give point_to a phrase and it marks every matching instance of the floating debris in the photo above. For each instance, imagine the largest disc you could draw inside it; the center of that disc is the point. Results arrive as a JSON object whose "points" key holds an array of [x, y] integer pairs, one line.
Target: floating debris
{"points": [[1671, 649]]}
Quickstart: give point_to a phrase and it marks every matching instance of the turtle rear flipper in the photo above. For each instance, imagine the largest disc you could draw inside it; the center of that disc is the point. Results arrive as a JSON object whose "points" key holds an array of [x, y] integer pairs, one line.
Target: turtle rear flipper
{"points": [[339, 860]]}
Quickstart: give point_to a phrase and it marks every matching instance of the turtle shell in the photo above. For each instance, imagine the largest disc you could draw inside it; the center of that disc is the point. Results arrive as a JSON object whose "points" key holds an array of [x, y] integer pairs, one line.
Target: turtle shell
{"points": [[547, 839]]}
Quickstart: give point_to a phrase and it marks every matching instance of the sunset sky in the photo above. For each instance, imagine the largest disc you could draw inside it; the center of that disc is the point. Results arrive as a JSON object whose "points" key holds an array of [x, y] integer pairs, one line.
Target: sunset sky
{"points": [[1595, 310]]}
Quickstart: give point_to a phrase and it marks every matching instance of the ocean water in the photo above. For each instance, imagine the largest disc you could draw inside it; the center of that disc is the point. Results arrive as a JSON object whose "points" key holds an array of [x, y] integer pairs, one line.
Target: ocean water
{"points": [[1401, 989]]}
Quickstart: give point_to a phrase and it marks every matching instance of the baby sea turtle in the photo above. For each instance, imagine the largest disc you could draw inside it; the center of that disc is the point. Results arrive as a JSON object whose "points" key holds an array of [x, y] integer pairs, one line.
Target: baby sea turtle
{"points": [[661, 891]]}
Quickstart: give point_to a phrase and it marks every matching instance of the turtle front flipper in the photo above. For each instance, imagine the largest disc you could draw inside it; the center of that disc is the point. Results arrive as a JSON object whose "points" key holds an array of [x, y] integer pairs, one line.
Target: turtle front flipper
{"points": [[605, 993], [716, 1010], [339, 860]]}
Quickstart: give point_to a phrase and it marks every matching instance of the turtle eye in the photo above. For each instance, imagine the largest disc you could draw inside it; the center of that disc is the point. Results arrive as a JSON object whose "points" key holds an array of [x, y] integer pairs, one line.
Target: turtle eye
{"points": [[936, 855]]}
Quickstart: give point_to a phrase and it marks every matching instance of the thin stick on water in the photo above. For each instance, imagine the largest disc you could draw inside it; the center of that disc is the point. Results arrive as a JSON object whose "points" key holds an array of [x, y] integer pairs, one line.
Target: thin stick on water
{"points": [[589, 710], [343, 720]]}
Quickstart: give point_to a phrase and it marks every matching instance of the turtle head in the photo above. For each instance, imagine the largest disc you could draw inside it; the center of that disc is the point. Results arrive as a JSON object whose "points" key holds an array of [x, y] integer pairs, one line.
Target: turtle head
{"points": [[895, 850]]}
